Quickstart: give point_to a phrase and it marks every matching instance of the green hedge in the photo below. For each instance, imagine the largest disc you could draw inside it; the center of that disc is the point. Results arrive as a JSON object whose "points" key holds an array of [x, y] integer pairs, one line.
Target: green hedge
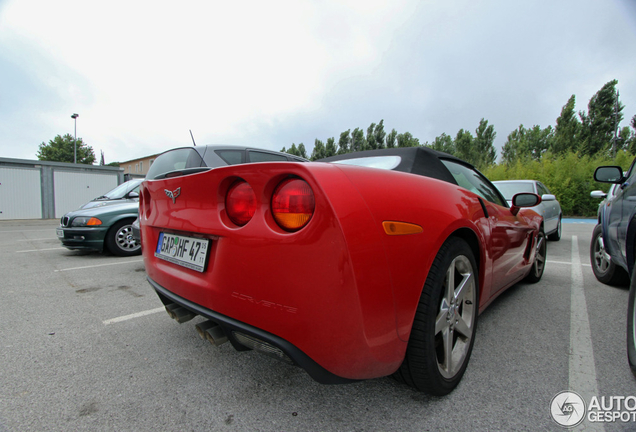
{"points": [[570, 177]]}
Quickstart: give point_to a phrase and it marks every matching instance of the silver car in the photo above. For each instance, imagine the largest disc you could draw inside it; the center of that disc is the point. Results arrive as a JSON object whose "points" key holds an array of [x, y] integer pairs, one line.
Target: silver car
{"points": [[549, 207]]}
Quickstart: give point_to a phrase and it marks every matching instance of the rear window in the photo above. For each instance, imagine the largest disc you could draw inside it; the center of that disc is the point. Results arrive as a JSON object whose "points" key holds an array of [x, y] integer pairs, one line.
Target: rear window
{"points": [[231, 157], [381, 162], [256, 156], [175, 160], [508, 190]]}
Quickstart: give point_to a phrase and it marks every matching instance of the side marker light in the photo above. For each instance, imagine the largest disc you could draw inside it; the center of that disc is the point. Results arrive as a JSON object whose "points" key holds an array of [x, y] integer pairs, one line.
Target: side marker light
{"points": [[393, 228]]}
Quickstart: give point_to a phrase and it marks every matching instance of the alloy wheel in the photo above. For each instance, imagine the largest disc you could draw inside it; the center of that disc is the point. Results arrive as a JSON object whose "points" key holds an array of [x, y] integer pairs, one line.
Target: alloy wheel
{"points": [[454, 323]]}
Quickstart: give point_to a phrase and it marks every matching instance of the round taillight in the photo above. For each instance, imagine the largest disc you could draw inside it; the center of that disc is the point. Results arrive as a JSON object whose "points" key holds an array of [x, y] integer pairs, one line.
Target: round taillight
{"points": [[293, 204], [240, 203]]}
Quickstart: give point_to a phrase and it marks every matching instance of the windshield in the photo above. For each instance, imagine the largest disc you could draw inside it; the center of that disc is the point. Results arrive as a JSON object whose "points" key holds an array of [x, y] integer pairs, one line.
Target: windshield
{"points": [[508, 190], [122, 190]]}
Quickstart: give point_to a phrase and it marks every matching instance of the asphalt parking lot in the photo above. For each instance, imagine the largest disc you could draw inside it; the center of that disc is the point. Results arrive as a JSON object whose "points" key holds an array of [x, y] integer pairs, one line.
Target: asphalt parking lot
{"points": [[86, 345]]}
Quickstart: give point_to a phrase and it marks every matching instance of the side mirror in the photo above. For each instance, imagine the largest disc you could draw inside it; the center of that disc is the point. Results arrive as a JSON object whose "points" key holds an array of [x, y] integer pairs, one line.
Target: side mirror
{"points": [[548, 197], [132, 194], [598, 194], [609, 174], [524, 199]]}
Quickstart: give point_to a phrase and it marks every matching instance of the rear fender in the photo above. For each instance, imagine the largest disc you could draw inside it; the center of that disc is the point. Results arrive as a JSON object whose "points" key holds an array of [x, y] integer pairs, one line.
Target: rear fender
{"points": [[431, 204]]}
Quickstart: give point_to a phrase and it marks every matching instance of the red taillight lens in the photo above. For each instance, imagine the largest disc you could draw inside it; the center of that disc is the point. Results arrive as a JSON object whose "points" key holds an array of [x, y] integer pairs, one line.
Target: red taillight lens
{"points": [[293, 204], [240, 203]]}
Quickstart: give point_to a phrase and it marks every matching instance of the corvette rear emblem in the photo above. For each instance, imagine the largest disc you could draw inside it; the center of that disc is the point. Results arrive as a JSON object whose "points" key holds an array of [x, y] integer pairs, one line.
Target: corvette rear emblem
{"points": [[173, 194]]}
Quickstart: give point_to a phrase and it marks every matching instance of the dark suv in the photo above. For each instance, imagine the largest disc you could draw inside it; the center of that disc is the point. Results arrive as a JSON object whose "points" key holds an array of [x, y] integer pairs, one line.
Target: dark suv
{"points": [[613, 246]]}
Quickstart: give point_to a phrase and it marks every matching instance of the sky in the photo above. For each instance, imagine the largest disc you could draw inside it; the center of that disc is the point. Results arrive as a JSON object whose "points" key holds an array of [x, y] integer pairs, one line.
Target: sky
{"points": [[267, 74]]}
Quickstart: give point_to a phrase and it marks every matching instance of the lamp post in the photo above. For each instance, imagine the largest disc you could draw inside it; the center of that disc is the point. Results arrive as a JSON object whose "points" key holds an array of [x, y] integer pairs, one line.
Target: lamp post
{"points": [[74, 117]]}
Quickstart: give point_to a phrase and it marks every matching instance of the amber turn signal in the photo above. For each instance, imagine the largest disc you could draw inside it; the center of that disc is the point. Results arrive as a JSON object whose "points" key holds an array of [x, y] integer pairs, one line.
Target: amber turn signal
{"points": [[93, 221], [293, 204], [401, 228]]}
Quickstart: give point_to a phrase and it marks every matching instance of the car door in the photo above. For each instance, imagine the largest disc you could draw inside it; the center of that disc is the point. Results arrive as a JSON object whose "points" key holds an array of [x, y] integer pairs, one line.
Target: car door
{"points": [[550, 209], [510, 235], [509, 241], [621, 214]]}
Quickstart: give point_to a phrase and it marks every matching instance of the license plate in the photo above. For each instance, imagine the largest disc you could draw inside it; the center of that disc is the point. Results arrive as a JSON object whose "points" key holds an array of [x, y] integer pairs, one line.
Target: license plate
{"points": [[190, 252], [59, 232]]}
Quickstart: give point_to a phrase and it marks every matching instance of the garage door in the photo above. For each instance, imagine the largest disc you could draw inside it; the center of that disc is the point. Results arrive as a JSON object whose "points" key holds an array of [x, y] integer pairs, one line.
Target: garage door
{"points": [[20, 193], [73, 189]]}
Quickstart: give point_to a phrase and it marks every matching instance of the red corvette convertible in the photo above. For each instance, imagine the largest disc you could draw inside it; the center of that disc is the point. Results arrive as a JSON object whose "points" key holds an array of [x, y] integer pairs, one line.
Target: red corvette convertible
{"points": [[362, 265]]}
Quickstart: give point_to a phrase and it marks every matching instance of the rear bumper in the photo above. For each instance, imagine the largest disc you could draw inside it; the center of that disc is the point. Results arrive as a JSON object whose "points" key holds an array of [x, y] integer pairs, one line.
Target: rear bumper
{"points": [[232, 326]]}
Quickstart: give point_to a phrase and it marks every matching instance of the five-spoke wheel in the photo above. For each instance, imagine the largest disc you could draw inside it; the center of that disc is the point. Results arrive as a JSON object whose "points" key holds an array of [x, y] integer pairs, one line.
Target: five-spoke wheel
{"points": [[444, 327]]}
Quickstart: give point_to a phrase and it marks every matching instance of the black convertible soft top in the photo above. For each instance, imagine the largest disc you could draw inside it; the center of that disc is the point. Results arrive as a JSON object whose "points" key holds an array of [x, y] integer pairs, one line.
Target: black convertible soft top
{"points": [[416, 160]]}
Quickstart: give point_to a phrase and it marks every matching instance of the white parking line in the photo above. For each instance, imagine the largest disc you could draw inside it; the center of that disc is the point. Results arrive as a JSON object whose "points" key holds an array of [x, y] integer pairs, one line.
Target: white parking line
{"points": [[39, 239], [40, 250], [567, 263], [100, 265], [582, 371], [21, 231], [132, 316]]}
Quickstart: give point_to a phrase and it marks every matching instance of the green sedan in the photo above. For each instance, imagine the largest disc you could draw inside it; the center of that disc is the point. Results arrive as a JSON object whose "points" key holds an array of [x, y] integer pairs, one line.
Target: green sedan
{"points": [[104, 227]]}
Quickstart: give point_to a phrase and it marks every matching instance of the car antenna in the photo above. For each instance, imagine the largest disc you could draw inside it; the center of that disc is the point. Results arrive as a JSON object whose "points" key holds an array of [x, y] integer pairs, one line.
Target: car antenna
{"points": [[195, 144]]}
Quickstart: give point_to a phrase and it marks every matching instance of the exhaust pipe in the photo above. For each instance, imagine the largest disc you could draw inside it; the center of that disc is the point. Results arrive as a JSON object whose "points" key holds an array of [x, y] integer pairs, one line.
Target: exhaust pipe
{"points": [[212, 332], [179, 314]]}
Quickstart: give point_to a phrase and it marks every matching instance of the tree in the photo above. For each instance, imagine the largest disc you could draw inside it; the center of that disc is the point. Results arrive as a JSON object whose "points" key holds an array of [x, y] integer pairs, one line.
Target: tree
{"points": [[330, 148], [538, 141], [343, 142], [371, 143], [527, 144], [379, 134], [444, 143], [302, 152], [319, 151], [358, 142], [62, 149], [390, 139], [604, 114], [292, 150], [515, 147], [631, 145], [463, 145], [567, 129], [406, 139], [625, 139], [484, 152]]}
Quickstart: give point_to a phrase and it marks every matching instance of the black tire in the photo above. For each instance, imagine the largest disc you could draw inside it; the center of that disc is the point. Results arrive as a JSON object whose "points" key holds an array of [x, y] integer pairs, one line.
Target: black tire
{"points": [[119, 240], [631, 323], [541, 253], [556, 236], [604, 269], [437, 355]]}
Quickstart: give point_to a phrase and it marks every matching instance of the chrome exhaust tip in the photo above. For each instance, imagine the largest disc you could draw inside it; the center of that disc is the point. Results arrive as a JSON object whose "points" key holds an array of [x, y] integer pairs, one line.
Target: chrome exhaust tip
{"points": [[212, 332], [179, 314]]}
